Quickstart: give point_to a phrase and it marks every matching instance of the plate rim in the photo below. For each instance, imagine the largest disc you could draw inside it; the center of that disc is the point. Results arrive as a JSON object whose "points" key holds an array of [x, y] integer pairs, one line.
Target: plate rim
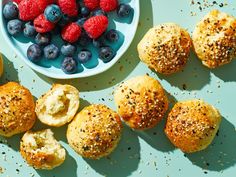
{"points": [[77, 75]]}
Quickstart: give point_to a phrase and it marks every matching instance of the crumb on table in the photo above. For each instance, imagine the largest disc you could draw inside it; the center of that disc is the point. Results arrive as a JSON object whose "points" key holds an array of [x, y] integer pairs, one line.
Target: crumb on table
{"points": [[1, 170]]}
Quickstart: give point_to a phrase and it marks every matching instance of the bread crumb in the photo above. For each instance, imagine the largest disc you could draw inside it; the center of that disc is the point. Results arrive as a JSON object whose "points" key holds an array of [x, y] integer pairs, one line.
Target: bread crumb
{"points": [[1, 170]]}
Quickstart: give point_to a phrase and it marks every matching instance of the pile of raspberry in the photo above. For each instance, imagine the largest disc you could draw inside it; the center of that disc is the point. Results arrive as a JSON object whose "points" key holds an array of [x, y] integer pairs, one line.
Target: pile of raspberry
{"points": [[77, 23]]}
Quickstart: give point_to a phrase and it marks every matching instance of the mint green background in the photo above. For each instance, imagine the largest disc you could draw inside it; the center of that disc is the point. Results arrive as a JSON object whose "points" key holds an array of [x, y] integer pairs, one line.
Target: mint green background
{"points": [[214, 86]]}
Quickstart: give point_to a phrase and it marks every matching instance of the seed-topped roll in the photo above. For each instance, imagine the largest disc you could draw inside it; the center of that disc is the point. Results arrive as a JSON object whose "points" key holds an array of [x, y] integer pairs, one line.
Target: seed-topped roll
{"points": [[165, 48], [141, 102], [214, 39], [58, 106], [95, 131], [16, 109], [192, 125]]}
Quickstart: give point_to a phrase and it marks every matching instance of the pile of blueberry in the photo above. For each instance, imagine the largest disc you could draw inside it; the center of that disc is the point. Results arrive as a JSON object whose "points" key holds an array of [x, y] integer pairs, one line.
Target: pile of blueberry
{"points": [[43, 45]]}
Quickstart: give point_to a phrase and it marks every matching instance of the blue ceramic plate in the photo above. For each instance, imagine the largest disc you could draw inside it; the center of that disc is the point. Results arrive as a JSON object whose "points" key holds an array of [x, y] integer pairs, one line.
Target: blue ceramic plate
{"points": [[126, 28]]}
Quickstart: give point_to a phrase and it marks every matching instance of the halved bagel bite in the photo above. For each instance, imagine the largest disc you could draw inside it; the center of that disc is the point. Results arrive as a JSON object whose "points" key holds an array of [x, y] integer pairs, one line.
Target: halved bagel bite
{"points": [[58, 106], [41, 150]]}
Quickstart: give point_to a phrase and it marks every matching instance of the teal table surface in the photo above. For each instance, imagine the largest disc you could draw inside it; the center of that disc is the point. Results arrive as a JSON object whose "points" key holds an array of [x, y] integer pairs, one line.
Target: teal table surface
{"points": [[146, 153]]}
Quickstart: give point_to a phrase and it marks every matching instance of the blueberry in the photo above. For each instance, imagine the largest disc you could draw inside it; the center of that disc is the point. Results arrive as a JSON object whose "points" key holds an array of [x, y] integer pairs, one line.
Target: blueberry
{"points": [[84, 11], [69, 65], [84, 39], [10, 11], [84, 56], [112, 35], [43, 39], [14, 27], [98, 12], [65, 19], [68, 50], [34, 53], [98, 43], [124, 10], [53, 13], [81, 21], [29, 30], [106, 54], [51, 51]]}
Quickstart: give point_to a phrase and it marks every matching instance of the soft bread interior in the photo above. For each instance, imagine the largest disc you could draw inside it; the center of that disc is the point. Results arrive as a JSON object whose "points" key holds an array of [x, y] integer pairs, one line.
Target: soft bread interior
{"points": [[43, 142], [58, 106]]}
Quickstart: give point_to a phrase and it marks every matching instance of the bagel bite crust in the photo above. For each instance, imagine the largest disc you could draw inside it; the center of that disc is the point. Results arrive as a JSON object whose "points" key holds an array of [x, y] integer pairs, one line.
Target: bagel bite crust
{"points": [[17, 109], [165, 48], [214, 39], [192, 125], [95, 131], [141, 102]]}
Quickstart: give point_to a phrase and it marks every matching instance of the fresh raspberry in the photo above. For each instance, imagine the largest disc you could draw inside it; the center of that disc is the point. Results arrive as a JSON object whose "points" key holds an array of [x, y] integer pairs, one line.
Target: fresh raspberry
{"points": [[71, 32], [96, 25], [42, 4], [42, 25], [52, 1], [91, 4], [108, 5], [28, 10], [17, 1], [68, 7]]}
